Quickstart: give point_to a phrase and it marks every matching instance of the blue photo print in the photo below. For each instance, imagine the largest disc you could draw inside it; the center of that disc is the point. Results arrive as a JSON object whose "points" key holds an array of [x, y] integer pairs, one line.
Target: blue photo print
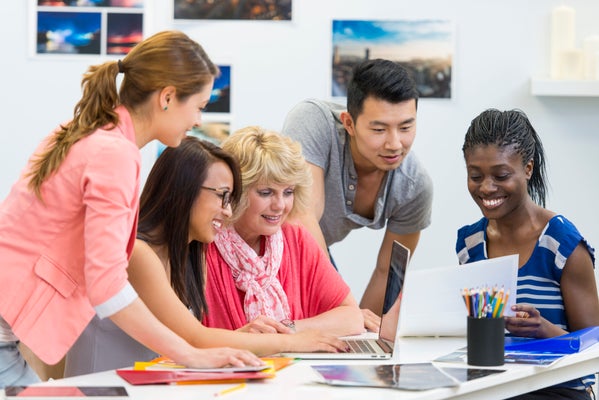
{"points": [[220, 98], [68, 32], [424, 47]]}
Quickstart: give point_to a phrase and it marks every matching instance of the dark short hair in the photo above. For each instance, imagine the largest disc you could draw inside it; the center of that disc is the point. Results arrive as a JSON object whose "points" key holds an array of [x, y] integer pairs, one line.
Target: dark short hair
{"points": [[382, 79]]}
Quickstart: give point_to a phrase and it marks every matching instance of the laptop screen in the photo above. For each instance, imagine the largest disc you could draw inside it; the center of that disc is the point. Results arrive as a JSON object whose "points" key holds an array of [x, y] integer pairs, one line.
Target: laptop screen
{"points": [[400, 256]]}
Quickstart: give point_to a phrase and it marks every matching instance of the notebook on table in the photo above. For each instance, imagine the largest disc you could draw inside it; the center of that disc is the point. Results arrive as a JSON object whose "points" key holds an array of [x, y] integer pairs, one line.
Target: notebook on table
{"points": [[370, 345], [432, 304]]}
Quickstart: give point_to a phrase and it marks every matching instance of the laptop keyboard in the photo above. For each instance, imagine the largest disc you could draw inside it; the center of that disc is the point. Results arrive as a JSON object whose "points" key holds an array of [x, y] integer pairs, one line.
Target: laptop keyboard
{"points": [[360, 346]]}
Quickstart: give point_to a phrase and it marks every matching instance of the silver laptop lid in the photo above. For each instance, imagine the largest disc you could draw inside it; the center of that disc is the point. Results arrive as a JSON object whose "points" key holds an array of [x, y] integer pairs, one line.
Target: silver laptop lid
{"points": [[400, 256]]}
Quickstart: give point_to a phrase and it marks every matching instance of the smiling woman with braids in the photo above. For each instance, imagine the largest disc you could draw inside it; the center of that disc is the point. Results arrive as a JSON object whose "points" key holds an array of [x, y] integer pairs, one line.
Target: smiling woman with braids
{"points": [[556, 293]]}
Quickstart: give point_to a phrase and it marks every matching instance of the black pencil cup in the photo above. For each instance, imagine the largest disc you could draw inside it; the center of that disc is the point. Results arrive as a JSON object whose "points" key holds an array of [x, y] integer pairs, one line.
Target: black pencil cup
{"points": [[486, 341]]}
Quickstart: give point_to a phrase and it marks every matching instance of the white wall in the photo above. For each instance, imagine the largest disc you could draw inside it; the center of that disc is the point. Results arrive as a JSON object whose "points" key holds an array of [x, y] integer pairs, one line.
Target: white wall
{"points": [[499, 46]]}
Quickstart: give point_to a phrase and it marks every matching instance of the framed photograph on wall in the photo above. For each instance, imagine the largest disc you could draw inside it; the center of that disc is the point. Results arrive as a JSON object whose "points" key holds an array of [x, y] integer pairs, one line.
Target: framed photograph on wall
{"points": [[220, 98], [425, 47], [85, 27], [123, 31], [273, 10], [74, 32], [216, 117]]}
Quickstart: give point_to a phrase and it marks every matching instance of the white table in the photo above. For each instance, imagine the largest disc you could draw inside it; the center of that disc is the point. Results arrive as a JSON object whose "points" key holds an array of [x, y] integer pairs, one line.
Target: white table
{"points": [[298, 381]]}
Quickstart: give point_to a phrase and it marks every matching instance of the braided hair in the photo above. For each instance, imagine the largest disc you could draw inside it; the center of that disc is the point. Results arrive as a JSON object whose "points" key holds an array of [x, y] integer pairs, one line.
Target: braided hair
{"points": [[511, 128]]}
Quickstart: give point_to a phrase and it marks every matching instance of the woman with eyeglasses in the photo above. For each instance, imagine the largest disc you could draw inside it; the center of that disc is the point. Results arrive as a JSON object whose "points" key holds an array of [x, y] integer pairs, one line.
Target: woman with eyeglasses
{"points": [[263, 273], [186, 201]]}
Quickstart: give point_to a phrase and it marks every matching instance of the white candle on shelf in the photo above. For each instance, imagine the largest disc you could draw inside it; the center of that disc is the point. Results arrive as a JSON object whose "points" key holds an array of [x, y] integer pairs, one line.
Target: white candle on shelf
{"points": [[590, 47], [563, 35], [571, 64]]}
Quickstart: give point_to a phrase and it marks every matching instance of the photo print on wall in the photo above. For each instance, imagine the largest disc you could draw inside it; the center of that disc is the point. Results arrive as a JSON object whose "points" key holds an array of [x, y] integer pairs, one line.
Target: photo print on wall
{"points": [[216, 117], [425, 47], [273, 10], [220, 98], [87, 27]]}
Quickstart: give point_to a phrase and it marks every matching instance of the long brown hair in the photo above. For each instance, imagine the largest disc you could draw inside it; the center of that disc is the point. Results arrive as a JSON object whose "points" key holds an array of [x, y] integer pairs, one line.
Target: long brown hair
{"points": [[168, 58], [172, 187]]}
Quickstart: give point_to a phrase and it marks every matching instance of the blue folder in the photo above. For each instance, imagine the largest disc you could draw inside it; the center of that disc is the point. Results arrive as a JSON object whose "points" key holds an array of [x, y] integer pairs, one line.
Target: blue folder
{"points": [[569, 343]]}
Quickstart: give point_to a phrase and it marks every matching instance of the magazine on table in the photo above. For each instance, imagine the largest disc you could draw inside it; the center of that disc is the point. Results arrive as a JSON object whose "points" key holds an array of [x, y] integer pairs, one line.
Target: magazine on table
{"points": [[417, 376]]}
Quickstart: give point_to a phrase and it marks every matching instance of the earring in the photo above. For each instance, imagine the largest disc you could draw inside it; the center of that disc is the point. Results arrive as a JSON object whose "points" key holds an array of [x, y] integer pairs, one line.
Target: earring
{"points": [[165, 108]]}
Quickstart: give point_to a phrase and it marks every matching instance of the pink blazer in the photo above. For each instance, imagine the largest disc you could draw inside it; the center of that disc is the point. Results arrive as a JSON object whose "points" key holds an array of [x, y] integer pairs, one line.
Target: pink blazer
{"points": [[65, 258]]}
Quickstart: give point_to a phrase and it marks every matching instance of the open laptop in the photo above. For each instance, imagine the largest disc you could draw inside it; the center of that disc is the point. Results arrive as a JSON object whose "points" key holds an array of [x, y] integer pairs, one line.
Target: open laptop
{"points": [[372, 345], [432, 304]]}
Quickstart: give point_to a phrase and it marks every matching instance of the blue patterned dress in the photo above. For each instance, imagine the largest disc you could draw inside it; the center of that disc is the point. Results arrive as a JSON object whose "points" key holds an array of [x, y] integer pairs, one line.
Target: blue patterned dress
{"points": [[539, 279]]}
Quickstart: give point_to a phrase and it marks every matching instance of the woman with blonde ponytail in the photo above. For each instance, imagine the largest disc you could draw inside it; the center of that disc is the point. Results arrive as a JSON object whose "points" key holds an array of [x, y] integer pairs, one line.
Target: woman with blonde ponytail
{"points": [[68, 225]]}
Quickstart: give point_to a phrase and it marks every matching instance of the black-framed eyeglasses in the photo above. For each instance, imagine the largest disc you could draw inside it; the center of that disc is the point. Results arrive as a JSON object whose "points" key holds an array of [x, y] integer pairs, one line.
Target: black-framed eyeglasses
{"points": [[224, 194]]}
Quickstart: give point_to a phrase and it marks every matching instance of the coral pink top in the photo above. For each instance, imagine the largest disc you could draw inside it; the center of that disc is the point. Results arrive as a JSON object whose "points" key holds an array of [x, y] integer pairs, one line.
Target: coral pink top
{"points": [[310, 281], [65, 258]]}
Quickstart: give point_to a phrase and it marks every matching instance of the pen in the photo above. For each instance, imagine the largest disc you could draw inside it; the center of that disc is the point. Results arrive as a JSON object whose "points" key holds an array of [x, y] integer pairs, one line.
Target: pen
{"points": [[485, 302], [499, 302], [466, 297], [229, 390], [481, 302]]}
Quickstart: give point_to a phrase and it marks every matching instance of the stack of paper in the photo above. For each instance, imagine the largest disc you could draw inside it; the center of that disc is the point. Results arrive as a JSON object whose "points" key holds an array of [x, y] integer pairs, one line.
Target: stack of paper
{"points": [[165, 371]]}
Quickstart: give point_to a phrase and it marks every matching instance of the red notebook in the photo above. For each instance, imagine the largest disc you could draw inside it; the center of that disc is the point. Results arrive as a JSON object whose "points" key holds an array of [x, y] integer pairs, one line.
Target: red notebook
{"points": [[154, 377]]}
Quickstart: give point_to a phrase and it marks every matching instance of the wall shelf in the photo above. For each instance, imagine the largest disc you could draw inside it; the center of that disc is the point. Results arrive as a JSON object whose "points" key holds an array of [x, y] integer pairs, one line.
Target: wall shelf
{"points": [[565, 88]]}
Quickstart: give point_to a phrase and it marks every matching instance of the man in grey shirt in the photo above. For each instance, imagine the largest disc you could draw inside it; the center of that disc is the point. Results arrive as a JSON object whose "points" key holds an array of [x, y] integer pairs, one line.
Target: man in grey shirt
{"points": [[363, 171]]}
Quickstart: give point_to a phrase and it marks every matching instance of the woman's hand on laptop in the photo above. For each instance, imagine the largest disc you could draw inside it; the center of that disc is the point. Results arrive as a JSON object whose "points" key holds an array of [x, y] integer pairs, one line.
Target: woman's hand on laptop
{"points": [[311, 341], [372, 322]]}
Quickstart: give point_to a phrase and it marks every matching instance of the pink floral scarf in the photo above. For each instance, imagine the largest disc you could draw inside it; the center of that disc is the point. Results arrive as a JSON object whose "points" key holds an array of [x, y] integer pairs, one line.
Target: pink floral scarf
{"points": [[255, 275]]}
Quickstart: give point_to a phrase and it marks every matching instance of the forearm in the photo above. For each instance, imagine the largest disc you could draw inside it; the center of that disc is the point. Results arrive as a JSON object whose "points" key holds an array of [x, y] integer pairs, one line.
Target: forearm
{"points": [[261, 344], [340, 321], [139, 323], [372, 298], [374, 294], [137, 320], [552, 330]]}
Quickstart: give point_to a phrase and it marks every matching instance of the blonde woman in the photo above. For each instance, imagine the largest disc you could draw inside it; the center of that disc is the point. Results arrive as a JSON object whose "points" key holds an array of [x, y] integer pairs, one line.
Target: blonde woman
{"points": [[186, 201], [264, 274]]}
